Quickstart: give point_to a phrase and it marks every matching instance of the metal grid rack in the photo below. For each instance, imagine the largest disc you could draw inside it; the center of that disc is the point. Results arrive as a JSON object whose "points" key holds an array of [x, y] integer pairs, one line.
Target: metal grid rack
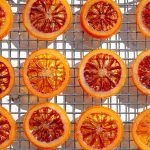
{"points": [[74, 44]]}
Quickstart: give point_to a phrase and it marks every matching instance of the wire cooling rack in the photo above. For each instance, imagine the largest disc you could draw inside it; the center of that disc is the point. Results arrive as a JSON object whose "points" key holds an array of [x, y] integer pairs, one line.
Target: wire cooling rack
{"points": [[74, 44]]}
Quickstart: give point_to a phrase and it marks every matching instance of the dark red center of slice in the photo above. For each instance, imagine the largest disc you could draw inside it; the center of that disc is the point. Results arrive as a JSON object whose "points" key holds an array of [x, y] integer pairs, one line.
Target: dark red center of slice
{"points": [[102, 16], [4, 77], [99, 130], [46, 125], [144, 72], [46, 73], [4, 129], [2, 17], [102, 72], [48, 16], [146, 15]]}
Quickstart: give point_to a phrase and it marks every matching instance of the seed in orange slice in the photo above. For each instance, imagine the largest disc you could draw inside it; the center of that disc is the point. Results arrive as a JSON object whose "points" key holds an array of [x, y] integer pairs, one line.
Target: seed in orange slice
{"points": [[102, 73], [100, 18], [7, 77], [141, 72], [6, 18], [99, 128], [141, 130], [47, 19], [46, 73], [47, 125], [143, 17], [7, 128]]}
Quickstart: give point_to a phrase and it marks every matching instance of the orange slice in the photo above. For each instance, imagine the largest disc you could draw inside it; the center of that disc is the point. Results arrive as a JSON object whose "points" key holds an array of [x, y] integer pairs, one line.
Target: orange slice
{"points": [[7, 128], [143, 17], [100, 18], [102, 73], [46, 125], [7, 77], [99, 128], [141, 72], [47, 19], [141, 130], [46, 73], [6, 18]]}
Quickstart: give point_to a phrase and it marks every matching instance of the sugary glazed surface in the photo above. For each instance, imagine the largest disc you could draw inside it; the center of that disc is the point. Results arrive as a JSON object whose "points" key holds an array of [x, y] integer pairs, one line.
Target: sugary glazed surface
{"points": [[4, 77], [144, 72], [143, 130], [46, 73], [46, 125], [5, 129], [146, 15], [2, 17], [102, 16], [99, 130], [102, 72], [48, 16]]}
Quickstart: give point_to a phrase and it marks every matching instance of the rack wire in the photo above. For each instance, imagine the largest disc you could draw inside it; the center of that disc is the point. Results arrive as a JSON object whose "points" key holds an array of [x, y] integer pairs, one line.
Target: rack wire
{"points": [[74, 44]]}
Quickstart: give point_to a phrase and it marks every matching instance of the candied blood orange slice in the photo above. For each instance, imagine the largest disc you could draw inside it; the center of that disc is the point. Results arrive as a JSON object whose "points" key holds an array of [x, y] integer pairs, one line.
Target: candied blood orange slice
{"points": [[47, 19], [102, 73], [141, 72], [7, 128], [141, 130], [46, 73], [99, 128], [143, 17], [100, 18], [7, 77], [6, 18], [46, 125]]}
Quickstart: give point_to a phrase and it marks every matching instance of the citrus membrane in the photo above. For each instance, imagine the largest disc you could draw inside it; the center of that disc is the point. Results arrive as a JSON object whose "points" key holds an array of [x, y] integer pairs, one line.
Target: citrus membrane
{"points": [[102, 16], [46, 73], [102, 72], [99, 130], [5, 129], [143, 130], [46, 125], [48, 16], [144, 72], [4, 77], [2, 17]]}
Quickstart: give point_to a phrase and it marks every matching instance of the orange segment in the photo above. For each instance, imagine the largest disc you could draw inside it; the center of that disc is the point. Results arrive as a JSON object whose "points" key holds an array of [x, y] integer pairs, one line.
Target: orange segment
{"points": [[7, 128], [99, 128], [142, 17], [6, 18], [141, 72], [100, 18], [46, 73], [47, 19], [7, 77], [102, 73], [141, 130], [46, 125]]}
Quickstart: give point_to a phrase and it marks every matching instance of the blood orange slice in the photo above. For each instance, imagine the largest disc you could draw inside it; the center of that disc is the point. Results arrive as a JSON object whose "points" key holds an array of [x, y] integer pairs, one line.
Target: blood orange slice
{"points": [[46, 73], [141, 130], [7, 128], [100, 18], [47, 19], [7, 77], [143, 17], [141, 72], [102, 73], [46, 125], [99, 128], [6, 18]]}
